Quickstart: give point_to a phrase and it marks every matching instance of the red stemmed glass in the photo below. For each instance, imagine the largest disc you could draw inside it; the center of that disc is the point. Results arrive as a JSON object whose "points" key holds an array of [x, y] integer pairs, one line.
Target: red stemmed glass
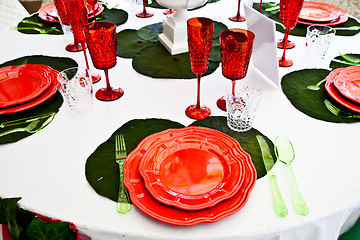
{"points": [[169, 11], [260, 6], [144, 13], [102, 44], [238, 17], [200, 32], [289, 11], [60, 8], [93, 3], [235, 49], [281, 42], [78, 18]]}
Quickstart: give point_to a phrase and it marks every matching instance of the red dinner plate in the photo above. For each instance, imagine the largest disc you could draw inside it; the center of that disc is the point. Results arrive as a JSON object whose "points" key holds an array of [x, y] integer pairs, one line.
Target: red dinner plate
{"points": [[19, 84], [335, 94], [348, 83], [40, 99], [143, 200], [193, 168], [49, 13]]}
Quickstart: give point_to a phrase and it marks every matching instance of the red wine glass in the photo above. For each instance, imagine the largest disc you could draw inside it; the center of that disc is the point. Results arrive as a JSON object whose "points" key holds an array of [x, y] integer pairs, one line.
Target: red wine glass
{"points": [[289, 11], [235, 49], [78, 18], [238, 17], [144, 13], [281, 42], [200, 32], [93, 3], [102, 44]]}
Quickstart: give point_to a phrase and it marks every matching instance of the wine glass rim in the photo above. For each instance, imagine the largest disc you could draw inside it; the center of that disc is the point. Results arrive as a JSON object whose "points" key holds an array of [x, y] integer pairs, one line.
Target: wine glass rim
{"points": [[249, 34], [110, 26], [208, 22]]}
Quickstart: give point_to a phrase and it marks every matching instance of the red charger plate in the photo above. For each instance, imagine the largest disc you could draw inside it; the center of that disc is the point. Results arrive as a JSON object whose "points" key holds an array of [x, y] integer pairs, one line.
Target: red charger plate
{"points": [[348, 83], [143, 200], [193, 168], [19, 84], [333, 92], [40, 99]]}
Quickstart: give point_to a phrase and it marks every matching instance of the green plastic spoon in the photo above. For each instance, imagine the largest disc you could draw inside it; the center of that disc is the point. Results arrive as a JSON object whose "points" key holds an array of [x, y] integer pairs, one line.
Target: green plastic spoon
{"points": [[284, 151]]}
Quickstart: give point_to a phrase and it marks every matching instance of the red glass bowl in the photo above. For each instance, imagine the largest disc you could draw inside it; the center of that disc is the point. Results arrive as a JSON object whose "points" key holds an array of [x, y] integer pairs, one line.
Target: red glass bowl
{"points": [[193, 168]]}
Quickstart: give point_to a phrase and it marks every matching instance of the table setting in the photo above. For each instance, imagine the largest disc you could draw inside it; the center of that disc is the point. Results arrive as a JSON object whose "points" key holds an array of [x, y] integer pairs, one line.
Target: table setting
{"points": [[198, 144]]}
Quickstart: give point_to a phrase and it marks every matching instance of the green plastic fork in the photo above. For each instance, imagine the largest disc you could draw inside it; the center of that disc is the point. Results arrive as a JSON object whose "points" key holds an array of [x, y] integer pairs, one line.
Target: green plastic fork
{"points": [[338, 112]]}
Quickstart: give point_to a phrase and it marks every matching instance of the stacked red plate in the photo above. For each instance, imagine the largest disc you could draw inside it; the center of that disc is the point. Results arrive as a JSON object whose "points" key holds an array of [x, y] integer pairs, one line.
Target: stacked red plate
{"points": [[188, 176], [343, 85], [49, 13], [25, 86], [319, 13]]}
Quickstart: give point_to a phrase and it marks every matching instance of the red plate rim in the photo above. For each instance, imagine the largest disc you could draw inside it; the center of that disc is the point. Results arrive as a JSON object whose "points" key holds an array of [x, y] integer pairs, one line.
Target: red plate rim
{"points": [[143, 200], [341, 82], [329, 8], [38, 75], [226, 149]]}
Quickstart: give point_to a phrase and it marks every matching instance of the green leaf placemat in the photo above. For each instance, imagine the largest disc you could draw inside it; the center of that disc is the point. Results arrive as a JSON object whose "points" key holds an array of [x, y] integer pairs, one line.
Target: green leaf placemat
{"points": [[117, 16], [51, 105], [307, 101], [300, 29], [102, 172], [143, 46], [340, 62]]}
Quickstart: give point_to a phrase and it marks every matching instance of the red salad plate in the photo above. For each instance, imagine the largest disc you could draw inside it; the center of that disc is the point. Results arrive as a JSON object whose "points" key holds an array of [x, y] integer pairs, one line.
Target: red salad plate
{"points": [[143, 200], [336, 95], [193, 168], [322, 13], [49, 13], [348, 83], [49, 92], [19, 84]]}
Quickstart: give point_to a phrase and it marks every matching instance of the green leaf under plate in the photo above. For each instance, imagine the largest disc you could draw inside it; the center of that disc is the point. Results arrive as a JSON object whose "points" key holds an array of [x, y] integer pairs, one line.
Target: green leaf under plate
{"points": [[352, 56], [38, 229], [150, 32], [117, 16], [129, 44], [307, 101], [156, 62]]}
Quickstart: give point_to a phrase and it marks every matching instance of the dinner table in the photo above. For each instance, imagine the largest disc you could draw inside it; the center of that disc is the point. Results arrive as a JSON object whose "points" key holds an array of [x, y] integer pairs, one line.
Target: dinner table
{"points": [[48, 168]]}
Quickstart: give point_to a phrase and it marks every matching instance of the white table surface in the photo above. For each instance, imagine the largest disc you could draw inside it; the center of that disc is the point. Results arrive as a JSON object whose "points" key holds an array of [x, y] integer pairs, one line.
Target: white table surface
{"points": [[47, 169]]}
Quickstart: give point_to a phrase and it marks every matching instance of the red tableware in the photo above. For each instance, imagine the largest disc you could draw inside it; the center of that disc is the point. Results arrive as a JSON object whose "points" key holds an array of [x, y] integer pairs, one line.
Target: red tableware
{"points": [[143, 200], [49, 92], [192, 168], [235, 49], [102, 44], [319, 12], [144, 13], [289, 11], [93, 4], [19, 84], [169, 11], [238, 17], [348, 83], [200, 32], [337, 96]]}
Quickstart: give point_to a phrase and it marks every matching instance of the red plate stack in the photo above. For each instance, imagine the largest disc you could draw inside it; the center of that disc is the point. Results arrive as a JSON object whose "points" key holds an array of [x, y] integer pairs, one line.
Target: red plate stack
{"points": [[188, 176]]}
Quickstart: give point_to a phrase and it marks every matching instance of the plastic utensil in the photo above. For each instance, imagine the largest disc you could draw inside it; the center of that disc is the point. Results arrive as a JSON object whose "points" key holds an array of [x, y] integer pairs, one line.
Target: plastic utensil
{"points": [[317, 86], [284, 151]]}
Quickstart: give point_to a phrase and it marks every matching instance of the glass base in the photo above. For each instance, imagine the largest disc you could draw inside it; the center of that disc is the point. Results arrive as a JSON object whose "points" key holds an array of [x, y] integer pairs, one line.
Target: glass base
{"points": [[95, 77], [144, 14], [237, 18], [104, 94], [197, 113], [221, 103], [74, 47], [285, 62], [289, 45]]}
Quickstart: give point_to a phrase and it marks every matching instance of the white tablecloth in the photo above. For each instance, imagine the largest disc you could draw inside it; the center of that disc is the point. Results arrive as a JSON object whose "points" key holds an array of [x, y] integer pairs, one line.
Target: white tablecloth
{"points": [[47, 169]]}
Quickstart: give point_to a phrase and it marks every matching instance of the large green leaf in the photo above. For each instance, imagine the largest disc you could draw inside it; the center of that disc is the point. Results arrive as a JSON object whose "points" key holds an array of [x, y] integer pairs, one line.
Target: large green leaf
{"points": [[307, 101], [117, 16], [8, 216], [51, 105], [102, 172], [344, 63], [129, 44], [38, 229], [247, 140], [156, 62]]}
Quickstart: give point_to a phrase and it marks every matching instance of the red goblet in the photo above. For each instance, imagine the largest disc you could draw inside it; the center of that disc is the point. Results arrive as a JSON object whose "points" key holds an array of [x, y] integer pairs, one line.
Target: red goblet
{"points": [[235, 49], [78, 18], [281, 42], [200, 32], [93, 3], [289, 11], [144, 13], [102, 44], [238, 17]]}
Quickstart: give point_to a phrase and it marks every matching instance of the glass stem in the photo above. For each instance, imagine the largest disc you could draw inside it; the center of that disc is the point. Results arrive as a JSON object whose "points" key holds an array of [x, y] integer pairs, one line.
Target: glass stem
{"points": [[198, 76], [238, 11], [108, 87], [260, 6], [93, 8], [144, 10], [287, 31], [84, 51]]}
